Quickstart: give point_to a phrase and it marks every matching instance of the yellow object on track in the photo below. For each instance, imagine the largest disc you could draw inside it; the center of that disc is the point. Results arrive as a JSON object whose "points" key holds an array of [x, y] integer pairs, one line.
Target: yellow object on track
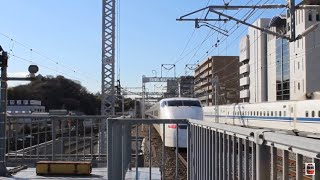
{"points": [[63, 168]]}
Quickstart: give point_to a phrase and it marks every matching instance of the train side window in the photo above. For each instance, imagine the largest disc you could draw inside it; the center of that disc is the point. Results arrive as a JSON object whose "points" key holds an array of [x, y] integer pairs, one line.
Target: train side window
{"points": [[307, 113], [280, 113], [312, 114]]}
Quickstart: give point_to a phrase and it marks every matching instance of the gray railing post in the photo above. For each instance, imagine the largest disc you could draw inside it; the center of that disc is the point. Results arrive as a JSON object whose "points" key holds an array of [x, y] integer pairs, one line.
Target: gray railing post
{"points": [[262, 158], [109, 148], [53, 136]]}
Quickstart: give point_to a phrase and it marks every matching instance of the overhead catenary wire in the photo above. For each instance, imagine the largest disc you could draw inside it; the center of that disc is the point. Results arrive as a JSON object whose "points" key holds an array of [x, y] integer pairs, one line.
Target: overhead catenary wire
{"points": [[51, 69], [32, 50], [218, 39]]}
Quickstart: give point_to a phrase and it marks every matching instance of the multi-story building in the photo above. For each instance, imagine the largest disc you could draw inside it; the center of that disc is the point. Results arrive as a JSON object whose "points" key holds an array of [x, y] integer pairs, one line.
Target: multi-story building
{"points": [[293, 67], [257, 80], [244, 69], [186, 84], [225, 69]]}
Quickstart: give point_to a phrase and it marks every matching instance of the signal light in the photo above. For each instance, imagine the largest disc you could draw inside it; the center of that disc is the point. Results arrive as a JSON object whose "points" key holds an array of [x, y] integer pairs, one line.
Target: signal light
{"points": [[172, 126]]}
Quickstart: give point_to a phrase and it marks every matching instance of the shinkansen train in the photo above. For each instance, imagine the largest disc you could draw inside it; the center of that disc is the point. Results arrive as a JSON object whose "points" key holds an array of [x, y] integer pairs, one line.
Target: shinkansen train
{"points": [[175, 108], [287, 115]]}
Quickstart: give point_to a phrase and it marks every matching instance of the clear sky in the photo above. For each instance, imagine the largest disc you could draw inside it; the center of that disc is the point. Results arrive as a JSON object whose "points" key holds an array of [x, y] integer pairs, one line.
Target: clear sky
{"points": [[64, 37]]}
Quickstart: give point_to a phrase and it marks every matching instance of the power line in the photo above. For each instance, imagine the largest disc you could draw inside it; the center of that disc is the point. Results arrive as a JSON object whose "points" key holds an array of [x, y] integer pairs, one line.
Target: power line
{"points": [[46, 67], [45, 57], [246, 15]]}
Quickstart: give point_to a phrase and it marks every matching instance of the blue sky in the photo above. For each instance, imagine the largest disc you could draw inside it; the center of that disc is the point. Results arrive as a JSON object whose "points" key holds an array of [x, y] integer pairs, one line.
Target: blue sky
{"points": [[65, 37]]}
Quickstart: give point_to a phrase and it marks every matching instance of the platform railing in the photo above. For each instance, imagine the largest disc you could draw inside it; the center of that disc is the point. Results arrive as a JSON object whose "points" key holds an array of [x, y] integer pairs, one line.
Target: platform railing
{"points": [[123, 153], [220, 151], [42, 137]]}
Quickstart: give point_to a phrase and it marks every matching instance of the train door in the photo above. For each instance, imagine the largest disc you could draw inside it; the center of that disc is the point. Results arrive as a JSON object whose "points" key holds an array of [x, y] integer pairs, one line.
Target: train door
{"points": [[292, 115]]}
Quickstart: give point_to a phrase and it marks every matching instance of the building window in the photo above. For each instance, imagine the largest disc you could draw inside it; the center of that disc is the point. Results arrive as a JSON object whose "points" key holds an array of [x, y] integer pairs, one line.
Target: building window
{"points": [[271, 113], [280, 113], [282, 70], [312, 114], [299, 86], [275, 113], [310, 16], [317, 17], [284, 113], [318, 113], [307, 113]]}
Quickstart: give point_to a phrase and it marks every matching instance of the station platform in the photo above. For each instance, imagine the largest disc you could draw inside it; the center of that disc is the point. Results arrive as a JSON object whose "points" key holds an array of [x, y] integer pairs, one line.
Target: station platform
{"points": [[97, 173]]}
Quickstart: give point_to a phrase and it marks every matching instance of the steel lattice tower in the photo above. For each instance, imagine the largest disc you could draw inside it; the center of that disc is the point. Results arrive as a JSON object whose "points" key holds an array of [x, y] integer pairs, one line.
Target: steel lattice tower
{"points": [[108, 64], [108, 57]]}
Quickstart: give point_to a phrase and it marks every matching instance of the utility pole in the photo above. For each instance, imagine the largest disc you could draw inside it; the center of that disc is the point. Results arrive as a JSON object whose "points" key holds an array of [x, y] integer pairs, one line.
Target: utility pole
{"points": [[3, 115], [3, 104]]}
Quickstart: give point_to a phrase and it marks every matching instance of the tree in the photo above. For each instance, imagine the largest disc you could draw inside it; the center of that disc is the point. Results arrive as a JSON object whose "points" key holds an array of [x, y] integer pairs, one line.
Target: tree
{"points": [[57, 93]]}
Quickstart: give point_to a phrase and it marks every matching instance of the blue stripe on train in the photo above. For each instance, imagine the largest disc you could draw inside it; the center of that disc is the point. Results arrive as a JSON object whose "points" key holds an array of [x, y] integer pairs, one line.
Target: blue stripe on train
{"points": [[270, 118]]}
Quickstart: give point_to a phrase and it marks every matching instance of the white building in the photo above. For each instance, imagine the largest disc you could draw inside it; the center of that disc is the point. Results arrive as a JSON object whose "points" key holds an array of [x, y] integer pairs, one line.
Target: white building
{"points": [[279, 69], [255, 82], [24, 107], [244, 69], [294, 67]]}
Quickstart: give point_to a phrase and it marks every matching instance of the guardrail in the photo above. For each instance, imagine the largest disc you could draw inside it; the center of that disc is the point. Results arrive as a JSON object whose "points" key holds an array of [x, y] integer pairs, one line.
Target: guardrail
{"points": [[220, 151], [119, 145], [214, 151], [34, 138]]}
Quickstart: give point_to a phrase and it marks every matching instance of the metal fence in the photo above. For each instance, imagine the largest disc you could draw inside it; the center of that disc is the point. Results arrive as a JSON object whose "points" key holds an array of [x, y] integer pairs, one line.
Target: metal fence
{"points": [[214, 151], [220, 151], [119, 145], [74, 138]]}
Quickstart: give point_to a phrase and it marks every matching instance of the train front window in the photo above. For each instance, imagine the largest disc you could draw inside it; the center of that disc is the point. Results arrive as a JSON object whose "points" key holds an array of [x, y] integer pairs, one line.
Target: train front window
{"points": [[174, 103], [191, 103], [184, 103]]}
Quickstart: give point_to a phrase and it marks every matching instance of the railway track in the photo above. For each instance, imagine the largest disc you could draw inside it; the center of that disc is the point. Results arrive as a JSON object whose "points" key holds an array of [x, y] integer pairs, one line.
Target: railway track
{"points": [[183, 156], [292, 166]]}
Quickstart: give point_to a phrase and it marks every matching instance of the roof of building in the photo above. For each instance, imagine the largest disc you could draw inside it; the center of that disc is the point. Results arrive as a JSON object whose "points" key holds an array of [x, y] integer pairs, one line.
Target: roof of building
{"points": [[277, 21], [310, 2]]}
